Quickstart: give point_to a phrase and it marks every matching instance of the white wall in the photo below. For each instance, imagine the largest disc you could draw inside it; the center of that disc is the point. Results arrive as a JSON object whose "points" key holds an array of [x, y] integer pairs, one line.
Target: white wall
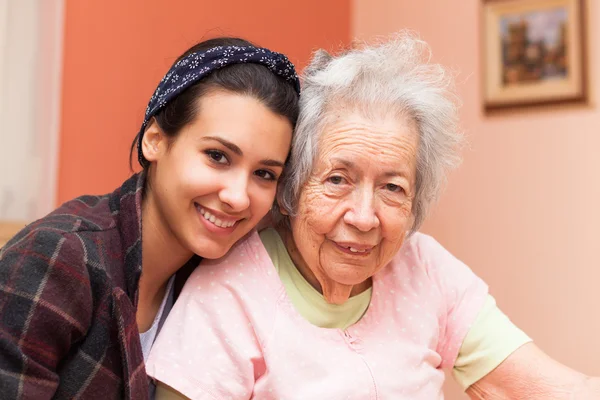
{"points": [[31, 36]]}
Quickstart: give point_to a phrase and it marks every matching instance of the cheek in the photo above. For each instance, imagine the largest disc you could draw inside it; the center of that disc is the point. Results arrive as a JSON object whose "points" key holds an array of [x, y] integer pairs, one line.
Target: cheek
{"points": [[181, 170], [394, 228], [192, 177], [304, 234], [393, 245], [261, 200], [309, 231], [395, 219], [319, 212]]}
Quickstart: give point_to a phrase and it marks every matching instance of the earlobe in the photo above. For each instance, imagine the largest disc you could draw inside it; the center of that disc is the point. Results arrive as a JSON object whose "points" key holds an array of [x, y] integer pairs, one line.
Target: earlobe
{"points": [[153, 142]]}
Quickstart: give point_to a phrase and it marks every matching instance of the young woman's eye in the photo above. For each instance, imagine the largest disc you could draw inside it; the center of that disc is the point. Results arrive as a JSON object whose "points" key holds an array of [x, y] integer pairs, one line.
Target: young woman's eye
{"points": [[394, 188], [266, 175], [216, 156], [336, 180]]}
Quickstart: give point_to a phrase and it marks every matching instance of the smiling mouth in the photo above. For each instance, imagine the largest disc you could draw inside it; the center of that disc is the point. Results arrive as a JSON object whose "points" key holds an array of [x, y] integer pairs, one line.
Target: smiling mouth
{"points": [[220, 222], [354, 249]]}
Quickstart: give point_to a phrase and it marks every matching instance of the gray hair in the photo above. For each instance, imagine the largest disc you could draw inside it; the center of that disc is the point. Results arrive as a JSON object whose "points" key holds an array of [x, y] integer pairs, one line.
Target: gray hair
{"points": [[393, 76]]}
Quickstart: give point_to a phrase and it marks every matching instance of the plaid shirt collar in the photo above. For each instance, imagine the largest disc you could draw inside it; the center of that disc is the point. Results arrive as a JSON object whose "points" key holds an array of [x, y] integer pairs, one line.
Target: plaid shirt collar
{"points": [[126, 206]]}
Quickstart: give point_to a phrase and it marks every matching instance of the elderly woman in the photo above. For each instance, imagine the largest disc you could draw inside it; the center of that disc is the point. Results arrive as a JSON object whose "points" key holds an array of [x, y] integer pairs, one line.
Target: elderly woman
{"points": [[345, 299]]}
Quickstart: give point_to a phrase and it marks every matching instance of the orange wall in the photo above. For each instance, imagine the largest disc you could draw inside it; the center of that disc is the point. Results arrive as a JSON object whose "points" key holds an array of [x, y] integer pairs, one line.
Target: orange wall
{"points": [[116, 51], [523, 210]]}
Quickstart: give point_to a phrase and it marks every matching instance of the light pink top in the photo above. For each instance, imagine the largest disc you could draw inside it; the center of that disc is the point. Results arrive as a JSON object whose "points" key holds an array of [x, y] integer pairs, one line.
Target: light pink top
{"points": [[233, 333]]}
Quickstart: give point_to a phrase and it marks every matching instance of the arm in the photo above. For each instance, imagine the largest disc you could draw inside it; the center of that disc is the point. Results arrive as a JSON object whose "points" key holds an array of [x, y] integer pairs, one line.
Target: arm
{"points": [[44, 303], [490, 340], [526, 373], [530, 374], [461, 296]]}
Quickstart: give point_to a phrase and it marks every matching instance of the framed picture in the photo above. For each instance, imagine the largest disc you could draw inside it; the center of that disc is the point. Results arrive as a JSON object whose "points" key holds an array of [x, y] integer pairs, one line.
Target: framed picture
{"points": [[534, 53]]}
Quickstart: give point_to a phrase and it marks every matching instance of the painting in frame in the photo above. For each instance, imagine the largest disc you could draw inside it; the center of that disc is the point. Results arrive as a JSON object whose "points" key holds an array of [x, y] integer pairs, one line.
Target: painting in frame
{"points": [[534, 53]]}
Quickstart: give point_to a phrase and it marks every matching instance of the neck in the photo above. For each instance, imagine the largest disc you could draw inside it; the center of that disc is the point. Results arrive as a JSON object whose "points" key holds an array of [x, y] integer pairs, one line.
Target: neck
{"points": [[333, 292], [162, 256]]}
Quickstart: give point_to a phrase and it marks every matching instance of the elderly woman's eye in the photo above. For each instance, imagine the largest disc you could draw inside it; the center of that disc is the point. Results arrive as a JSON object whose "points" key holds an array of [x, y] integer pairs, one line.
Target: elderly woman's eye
{"points": [[216, 156], [336, 180], [393, 187]]}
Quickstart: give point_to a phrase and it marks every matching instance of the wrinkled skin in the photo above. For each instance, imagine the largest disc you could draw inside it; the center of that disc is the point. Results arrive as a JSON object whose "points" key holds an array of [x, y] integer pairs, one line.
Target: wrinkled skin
{"points": [[358, 197]]}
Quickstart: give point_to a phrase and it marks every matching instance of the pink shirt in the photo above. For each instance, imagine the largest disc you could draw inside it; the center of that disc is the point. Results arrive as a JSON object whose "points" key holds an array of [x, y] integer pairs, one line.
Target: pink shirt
{"points": [[234, 334]]}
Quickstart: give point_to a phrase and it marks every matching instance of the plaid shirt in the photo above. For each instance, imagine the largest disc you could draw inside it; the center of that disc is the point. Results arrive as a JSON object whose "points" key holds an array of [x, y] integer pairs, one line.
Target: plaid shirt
{"points": [[68, 295]]}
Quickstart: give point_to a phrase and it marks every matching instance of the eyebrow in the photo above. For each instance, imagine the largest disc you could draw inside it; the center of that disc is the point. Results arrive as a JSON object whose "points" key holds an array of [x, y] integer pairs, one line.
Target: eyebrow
{"points": [[347, 163], [352, 165], [225, 143], [272, 163], [233, 147]]}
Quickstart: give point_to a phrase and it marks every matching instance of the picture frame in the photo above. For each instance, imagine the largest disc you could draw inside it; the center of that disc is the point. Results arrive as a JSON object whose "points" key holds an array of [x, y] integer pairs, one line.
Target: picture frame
{"points": [[534, 53]]}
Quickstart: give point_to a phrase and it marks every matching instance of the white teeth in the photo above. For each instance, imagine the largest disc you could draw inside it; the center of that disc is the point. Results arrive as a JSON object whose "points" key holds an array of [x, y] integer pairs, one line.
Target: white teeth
{"points": [[216, 221], [352, 249]]}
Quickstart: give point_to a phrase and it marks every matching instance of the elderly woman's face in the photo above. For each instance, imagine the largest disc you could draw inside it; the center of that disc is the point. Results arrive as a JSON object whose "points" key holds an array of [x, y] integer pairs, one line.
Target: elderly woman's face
{"points": [[355, 210]]}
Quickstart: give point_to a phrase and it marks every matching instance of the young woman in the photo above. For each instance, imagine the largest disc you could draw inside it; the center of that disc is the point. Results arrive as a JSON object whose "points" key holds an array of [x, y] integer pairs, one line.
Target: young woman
{"points": [[84, 290]]}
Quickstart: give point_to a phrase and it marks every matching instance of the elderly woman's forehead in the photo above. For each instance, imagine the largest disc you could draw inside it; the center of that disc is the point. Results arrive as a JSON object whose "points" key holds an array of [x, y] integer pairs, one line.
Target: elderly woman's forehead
{"points": [[382, 126], [342, 109]]}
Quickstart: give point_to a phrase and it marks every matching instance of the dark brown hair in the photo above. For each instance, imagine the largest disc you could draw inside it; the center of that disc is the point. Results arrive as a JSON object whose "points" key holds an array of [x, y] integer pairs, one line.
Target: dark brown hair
{"points": [[255, 80]]}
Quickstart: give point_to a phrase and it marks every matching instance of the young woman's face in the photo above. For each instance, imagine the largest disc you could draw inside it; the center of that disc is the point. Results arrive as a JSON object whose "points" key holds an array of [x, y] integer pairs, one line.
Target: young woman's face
{"points": [[215, 181]]}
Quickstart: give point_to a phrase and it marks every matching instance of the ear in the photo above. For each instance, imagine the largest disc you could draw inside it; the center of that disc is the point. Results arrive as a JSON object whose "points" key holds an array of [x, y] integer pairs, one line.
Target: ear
{"points": [[154, 142]]}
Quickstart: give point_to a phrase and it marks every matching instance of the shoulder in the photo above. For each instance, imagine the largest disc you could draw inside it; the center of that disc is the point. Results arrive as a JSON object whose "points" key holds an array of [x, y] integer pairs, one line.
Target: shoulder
{"points": [[248, 257], [73, 244], [424, 250], [42, 240], [422, 246], [66, 236], [48, 267], [81, 230], [90, 213], [246, 269], [421, 252], [41, 247], [85, 213]]}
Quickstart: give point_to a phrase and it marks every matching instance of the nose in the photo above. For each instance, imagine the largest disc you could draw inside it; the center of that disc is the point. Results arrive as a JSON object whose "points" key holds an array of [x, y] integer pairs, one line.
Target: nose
{"points": [[362, 213], [234, 193]]}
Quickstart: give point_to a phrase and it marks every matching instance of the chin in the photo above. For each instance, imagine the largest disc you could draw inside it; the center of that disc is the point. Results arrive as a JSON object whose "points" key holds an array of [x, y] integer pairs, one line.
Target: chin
{"points": [[353, 281], [214, 254], [211, 251]]}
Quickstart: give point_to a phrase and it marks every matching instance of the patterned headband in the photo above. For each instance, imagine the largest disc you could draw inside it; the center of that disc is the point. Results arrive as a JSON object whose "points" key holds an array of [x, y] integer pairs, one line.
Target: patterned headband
{"points": [[196, 66]]}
